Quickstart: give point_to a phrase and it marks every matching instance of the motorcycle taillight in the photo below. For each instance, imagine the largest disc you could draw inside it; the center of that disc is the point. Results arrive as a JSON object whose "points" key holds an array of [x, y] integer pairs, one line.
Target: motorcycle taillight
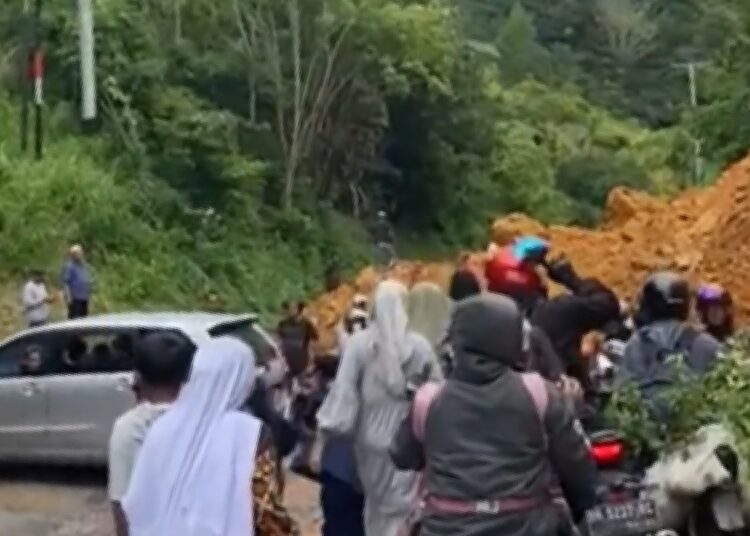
{"points": [[608, 454]]}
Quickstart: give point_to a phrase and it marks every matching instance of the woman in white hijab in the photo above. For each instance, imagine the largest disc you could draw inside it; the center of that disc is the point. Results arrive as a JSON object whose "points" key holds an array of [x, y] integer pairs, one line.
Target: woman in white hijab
{"points": [[370, 397], [198, 471]]}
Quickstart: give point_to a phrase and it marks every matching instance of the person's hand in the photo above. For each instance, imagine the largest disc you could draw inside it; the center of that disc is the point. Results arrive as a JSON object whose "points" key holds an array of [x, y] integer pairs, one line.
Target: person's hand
{"points": [[276, 371], [570, 387], [560, 270], [316, 454]]}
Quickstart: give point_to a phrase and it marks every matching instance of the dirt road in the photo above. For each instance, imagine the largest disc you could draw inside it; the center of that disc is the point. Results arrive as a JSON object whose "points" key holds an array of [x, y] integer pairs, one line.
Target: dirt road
{"points": [[72, 502]]}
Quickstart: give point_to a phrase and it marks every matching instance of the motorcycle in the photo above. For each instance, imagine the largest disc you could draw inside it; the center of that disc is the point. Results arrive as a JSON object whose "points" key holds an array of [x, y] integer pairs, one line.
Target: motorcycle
{"points": [[384, 256], [700, 489], [631, 505], [624, 509]]}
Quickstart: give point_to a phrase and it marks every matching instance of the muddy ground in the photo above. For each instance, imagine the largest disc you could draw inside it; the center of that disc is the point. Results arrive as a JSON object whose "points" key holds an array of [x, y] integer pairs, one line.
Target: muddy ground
{"points": [[36, 501]]}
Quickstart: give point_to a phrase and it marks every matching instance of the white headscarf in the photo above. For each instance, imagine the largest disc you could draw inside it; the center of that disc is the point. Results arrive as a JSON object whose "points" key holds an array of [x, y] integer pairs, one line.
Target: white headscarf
{"points": [[193, 474], [390, 330], [429, 312]]}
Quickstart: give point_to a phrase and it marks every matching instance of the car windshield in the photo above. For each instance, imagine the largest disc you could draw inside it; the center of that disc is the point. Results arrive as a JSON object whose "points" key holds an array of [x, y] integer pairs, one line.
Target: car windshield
{"points": [[250, 334]]}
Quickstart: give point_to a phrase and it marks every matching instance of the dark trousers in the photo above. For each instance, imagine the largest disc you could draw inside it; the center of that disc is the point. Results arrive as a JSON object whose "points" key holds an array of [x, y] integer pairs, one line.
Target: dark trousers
{"points": [[342, 508], [78, 309]]}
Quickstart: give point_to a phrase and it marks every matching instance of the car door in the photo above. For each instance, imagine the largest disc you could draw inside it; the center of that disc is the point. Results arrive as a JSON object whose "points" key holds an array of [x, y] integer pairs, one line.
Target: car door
{"points": [[24, 400], [85, 399]]}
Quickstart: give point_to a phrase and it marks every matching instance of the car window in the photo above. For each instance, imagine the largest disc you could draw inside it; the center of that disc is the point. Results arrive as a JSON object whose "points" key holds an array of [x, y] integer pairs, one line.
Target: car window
{"points": [[251, 334], [91, 351], [28, 356], [86, 352]]}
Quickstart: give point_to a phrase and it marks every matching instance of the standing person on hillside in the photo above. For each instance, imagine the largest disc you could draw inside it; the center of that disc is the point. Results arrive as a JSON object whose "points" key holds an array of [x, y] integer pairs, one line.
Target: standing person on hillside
{"points": [[370, 397], [162, 363], [36, 300], [77, 283], [297, 333]]}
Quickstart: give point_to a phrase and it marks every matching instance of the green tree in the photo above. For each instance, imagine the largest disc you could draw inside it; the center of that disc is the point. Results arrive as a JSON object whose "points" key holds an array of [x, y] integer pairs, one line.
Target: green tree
{"points": [[630, 27], [520, 54]]}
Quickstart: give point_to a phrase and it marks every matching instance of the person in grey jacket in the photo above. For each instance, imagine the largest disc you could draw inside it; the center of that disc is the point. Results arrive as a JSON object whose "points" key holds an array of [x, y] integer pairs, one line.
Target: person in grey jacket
{"points": [[663, 339], [370, 397], [487, 452]]}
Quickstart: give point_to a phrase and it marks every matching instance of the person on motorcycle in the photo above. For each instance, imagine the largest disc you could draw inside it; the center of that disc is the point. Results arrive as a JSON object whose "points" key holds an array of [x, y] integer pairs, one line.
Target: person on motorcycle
{"points": [[566, 319], [384, 240], [382, 231], [490, 441], [662, 339], [512, 272], [715, 308]]}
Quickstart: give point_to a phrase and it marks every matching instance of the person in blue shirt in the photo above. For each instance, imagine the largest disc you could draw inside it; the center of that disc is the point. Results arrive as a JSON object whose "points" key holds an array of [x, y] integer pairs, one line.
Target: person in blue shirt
{"points": [[76, 283]]}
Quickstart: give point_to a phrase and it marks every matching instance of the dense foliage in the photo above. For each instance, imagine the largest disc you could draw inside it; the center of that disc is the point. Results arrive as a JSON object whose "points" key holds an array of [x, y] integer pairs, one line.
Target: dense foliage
{"points": [[244, 144], [717, 398]]}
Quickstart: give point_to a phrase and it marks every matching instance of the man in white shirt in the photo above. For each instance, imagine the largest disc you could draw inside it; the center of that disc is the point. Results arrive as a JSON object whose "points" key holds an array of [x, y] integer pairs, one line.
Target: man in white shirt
{"points": [[162, 364], [36, 300]]}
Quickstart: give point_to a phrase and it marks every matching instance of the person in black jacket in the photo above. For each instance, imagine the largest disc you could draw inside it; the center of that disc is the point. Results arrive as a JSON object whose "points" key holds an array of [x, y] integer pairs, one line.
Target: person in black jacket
{"points": [[589, 306]]}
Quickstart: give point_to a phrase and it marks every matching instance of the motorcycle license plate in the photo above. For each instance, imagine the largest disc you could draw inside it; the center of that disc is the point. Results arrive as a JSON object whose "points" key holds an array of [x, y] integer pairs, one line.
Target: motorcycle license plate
{"points": [[727, 510], [628, 518]]}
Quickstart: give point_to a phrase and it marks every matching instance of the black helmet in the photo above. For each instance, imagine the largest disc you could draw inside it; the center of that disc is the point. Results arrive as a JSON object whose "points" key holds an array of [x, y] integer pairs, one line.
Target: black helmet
{"points": [[664, 296]]}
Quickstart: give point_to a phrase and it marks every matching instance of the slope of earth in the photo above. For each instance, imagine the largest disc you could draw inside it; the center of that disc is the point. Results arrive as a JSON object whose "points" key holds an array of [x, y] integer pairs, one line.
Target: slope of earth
{"points": [[704, 234]]}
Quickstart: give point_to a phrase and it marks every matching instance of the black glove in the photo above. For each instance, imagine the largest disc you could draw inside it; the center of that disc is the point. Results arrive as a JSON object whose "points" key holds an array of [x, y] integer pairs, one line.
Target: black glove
{"points": [[561, 271]]}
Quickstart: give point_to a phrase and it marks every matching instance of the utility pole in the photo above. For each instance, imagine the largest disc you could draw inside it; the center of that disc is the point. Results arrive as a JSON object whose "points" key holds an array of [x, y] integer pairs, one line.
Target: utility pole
{"points": [[86, 52], [23, 73], [692, 67], [37, 75]]}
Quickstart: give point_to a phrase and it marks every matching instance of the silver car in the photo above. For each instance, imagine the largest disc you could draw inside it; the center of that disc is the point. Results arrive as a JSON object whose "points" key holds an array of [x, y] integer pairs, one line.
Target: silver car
{"points": [[63, 385]]}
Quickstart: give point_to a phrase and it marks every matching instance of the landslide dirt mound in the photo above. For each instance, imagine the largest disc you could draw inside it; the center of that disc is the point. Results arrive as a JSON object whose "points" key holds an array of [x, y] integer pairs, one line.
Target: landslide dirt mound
{"points": [[704, 234]]}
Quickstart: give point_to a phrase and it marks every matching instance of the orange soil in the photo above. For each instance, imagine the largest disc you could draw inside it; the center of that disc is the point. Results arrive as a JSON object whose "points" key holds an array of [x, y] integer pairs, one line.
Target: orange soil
{"points": [[704, 234]]}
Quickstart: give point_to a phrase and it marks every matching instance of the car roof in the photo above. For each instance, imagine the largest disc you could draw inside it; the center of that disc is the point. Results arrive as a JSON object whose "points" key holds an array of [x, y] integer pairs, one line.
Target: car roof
{"points": [[195, 325]]}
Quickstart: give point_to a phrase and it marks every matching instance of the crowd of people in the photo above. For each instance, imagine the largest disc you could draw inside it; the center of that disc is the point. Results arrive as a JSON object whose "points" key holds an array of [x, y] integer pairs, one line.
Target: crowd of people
{"points": [[448, 413]]}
